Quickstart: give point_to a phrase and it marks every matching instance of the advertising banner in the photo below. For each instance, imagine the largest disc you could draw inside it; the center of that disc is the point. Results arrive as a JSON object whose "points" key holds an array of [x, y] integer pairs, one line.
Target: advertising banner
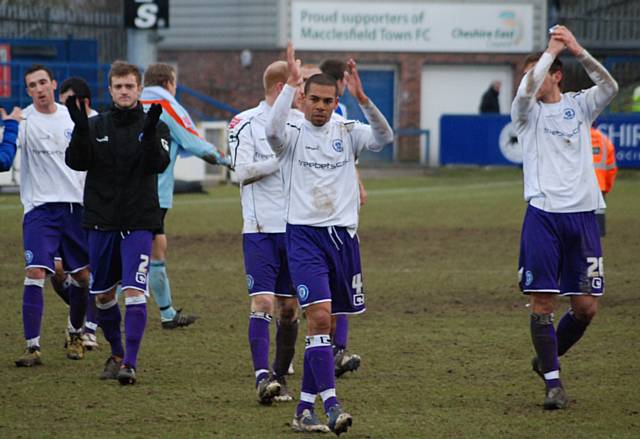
{"points": [[412, 27], [492, 140]]}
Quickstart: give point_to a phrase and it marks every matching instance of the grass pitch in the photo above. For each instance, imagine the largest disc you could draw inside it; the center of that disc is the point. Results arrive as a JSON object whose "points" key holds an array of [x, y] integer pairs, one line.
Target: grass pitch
{"points": [[445, 341]]}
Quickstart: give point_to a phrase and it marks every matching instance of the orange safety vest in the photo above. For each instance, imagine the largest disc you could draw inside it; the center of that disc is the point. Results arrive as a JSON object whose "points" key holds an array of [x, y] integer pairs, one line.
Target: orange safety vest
{"points": [[604, 160]]}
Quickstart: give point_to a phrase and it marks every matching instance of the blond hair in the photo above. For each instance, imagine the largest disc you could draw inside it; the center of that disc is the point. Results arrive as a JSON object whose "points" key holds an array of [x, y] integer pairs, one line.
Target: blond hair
{"points": [[276, 72]]}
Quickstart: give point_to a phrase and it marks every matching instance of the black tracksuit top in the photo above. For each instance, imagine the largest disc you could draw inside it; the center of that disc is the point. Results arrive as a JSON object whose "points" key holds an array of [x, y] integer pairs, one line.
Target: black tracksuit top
{"points": [[121, 190]]}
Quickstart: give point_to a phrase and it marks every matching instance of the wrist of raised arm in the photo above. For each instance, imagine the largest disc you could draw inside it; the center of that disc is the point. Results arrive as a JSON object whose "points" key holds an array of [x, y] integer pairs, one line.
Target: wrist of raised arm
{"points": [[363, 99]]}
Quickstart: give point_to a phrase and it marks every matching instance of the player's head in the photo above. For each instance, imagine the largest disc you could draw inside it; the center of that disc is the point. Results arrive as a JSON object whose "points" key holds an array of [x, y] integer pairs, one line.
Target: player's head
{"points": [[75, 86], [161, 75], [335, 68], [125, 84], [320, 98], [41, 87], [553, 80], [274, 78]]}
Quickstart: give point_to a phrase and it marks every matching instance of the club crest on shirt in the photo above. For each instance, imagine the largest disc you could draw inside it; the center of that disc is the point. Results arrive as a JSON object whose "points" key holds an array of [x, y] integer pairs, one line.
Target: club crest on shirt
{"points": [[568, 113], [250, 281], [303, 292], [67, 133], [28, 256], [337, 145]]}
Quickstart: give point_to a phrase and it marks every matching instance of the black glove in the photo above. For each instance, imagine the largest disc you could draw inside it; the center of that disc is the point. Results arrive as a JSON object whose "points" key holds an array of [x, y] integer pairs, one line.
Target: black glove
{"points": [[78, 113], [150, 121]]}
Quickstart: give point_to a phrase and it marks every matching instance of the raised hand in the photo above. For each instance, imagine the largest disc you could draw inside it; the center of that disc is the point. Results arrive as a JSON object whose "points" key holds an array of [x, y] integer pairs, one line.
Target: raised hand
{"points": [[354, 85], [151, 120], [293, 64], [563, 34], [555, 46], [16, 114], [78, 113]]}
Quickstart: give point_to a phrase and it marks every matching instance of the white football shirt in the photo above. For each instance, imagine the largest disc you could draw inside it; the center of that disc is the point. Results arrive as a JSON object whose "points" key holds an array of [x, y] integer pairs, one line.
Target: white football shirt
{"points": [[262, 200], [44, 175], [317, 163], [557, 155]]}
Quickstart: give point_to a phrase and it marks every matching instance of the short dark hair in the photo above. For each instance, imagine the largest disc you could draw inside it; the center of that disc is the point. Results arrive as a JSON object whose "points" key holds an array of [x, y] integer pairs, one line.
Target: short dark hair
{"points": [[159, 74], [320, 79], [35, 68], [334, 68], [78, 85], [556, 66], [122, 68]]}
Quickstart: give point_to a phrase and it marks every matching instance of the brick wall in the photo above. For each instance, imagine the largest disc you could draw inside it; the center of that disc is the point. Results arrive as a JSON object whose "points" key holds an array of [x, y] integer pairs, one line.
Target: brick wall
{"points": [[219, 74]]}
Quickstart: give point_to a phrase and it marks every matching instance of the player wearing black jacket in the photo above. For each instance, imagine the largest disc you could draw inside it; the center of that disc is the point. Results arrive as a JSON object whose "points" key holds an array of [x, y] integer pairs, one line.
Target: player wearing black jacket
{"points": [[122, 151]]}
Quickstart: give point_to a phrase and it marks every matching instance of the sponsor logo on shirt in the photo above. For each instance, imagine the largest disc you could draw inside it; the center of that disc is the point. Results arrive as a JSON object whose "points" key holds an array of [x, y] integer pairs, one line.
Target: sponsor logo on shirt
{"points": [[259, 156], [46, 152], [566, 135], [327, 166]]}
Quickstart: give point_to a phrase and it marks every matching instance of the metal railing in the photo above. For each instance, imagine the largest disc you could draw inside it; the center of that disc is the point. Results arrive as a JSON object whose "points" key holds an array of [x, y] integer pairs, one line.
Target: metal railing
{"points": [[13, 91], [603, 24], [36, 19]]}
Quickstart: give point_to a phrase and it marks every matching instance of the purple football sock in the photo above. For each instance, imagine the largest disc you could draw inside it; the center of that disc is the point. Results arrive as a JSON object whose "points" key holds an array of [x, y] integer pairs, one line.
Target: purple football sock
{"points": [[91, 322], [569, 331], [135, 319], [32, 308], [319, 354], [109, 320], [308, 391], [77, 305], [61, 288], [259, 343], [342, 331], [286, 335], [546, 345]]}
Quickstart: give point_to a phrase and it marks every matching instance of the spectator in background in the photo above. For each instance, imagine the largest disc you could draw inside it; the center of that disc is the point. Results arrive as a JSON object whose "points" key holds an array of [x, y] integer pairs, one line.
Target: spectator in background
{"points": [[489, 102], [604, 162]]}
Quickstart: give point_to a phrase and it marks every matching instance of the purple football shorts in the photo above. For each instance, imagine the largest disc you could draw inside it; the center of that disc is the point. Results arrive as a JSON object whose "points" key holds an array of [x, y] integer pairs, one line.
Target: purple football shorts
{"points": [[55, 230], [325, 267], [560, 253], [265, 263], [119, 257]]}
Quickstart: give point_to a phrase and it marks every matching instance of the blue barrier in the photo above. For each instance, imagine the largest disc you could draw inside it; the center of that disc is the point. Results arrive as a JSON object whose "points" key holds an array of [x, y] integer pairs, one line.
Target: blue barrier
{"points": [[624, 131], [207, 100], [490, 139], [472, 140]]}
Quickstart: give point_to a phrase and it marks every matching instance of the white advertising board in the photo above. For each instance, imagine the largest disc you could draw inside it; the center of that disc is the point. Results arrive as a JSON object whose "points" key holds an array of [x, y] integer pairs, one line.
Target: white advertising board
{"points": [[412, 27]]}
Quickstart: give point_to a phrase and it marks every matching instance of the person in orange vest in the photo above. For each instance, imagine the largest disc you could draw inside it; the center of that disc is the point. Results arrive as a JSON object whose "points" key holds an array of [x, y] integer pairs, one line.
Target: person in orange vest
{"points": [[604, 163]]}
